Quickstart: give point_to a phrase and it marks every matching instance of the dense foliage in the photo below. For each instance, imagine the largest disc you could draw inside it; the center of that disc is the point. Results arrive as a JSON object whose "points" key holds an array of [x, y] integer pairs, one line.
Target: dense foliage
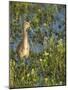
{"points": [[46, 64]]}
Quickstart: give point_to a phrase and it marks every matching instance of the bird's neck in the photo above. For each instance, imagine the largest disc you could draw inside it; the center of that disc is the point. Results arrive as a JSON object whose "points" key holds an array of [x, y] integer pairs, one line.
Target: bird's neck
{"points": [[25, 33], [25, 37]]}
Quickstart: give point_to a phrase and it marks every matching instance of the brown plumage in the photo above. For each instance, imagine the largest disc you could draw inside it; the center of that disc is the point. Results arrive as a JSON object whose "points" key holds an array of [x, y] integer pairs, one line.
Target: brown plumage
{"points": [[23, 47]]}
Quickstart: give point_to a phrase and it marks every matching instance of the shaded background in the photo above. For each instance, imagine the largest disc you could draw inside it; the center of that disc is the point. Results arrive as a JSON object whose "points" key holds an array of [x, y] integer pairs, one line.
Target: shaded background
{"points": [[46, 64]]}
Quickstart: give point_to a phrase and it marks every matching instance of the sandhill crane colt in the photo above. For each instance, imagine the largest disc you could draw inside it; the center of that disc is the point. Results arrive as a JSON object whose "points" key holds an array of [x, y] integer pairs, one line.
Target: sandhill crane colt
{"points": [[23, 47]]}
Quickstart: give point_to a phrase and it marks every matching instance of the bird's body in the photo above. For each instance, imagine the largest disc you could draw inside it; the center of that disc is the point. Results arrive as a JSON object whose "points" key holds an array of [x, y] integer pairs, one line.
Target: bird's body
{"points": [[23, 47]]}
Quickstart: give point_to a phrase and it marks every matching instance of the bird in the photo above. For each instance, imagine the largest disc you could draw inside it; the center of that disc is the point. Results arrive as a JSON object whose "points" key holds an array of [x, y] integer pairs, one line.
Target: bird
{"points": [[23, 46]]}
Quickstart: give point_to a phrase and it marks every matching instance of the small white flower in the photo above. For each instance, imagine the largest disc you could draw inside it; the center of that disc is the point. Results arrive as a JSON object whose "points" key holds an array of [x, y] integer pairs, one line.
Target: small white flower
{"points": [[28, 75], [33, 71], [46, 53], [40, 60], [22, 78]]}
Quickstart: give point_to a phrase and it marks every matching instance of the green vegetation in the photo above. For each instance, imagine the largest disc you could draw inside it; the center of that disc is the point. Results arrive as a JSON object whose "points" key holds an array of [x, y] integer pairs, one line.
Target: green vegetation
{"points": [[46, 68]]}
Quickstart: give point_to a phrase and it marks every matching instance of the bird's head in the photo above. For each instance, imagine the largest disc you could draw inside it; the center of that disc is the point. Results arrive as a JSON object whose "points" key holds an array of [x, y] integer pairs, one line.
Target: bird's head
{"points": [[26, 25]]}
